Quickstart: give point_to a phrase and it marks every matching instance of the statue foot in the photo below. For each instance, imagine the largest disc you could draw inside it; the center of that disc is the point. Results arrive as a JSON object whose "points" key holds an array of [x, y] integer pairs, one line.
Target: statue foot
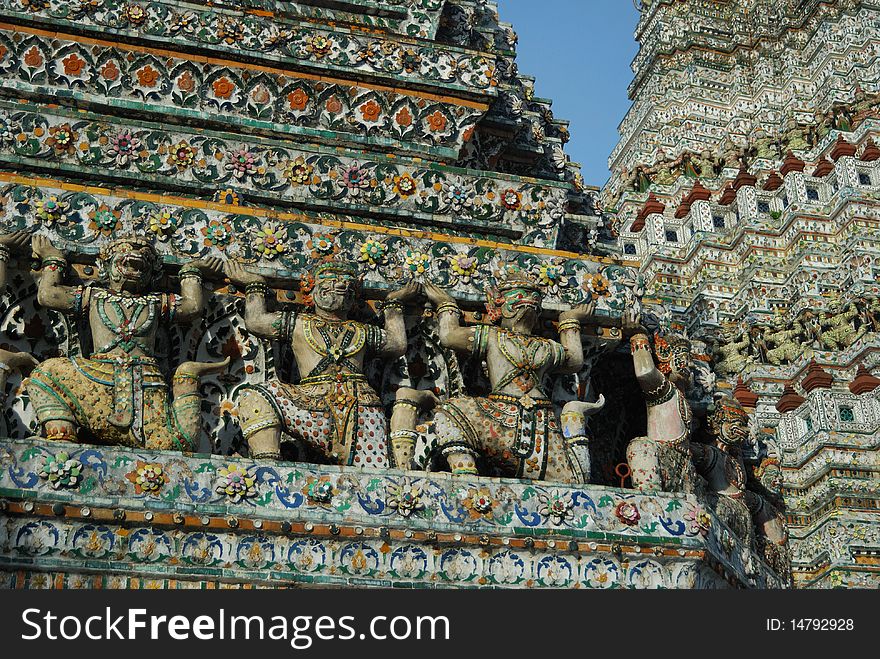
{"points": [[18, 361], [201, 369]]}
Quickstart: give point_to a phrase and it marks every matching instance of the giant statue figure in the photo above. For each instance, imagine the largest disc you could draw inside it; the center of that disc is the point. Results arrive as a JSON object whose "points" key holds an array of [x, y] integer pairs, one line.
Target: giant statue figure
{"points": [[721, 464], [660, 461], [334, 413], [118, 394], [9, 360], [512, 432]]}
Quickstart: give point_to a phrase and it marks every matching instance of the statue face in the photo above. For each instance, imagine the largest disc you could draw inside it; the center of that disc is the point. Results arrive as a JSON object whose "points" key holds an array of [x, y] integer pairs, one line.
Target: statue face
{"points": [[334, 291], [771, 478], [521, 304], [131, 266], [734, 431]]}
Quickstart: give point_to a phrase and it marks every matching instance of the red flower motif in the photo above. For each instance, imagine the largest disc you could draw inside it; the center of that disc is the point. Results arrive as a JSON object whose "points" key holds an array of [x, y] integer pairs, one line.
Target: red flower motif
{"points": [[627, 513], [110, 71], [371, 110], [511, 200], [223, 87], [185, 82], [148, 76], [298, 100], [404, 117], [437, 122], [73, 65], [334, 105], [33, 58]]}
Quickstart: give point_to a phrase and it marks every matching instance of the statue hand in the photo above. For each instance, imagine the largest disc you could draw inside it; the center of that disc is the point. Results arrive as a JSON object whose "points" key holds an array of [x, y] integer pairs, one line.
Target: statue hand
{"points": [[43, 249], [579, 313], [437, 295], [240, 275], [407, 293], [16, 240], [632, 323], [209, 267]]}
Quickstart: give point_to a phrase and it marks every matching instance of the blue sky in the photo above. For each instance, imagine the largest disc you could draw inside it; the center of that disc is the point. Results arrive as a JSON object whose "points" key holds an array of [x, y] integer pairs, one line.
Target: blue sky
{"points": [[579, 52]]}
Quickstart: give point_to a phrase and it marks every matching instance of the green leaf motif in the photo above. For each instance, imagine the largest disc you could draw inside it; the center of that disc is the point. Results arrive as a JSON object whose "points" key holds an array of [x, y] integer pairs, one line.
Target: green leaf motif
{"points": [[88, 485]]}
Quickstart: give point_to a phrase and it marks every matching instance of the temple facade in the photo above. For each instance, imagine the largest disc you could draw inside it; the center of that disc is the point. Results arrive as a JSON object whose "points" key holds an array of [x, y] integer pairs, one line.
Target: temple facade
{"points": [[745, 184], [310, 294]]}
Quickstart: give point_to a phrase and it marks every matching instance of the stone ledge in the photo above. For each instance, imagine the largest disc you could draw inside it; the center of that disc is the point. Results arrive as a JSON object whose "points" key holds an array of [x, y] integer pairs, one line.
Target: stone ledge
{"points": [[76, 509]]}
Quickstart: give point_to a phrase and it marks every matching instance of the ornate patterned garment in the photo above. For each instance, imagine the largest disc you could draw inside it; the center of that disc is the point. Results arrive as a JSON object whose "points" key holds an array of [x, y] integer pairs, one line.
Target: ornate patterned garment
{"points": [[333, 411], [119, 391], [515, 436], [664, 463]]}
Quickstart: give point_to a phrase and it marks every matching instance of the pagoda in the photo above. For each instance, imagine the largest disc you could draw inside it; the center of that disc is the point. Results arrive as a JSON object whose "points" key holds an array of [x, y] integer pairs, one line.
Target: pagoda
{"points": [[395, 138]]}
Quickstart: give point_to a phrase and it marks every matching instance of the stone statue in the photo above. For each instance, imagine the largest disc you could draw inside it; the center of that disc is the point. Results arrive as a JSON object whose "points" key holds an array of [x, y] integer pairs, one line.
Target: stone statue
{"points": [[794, 135], [731, 353], [333, 411], [9, 360], [513, 432], [118, 395], [786, 339], [660, 461], [765, 502], [838, 326], [722, 466]]}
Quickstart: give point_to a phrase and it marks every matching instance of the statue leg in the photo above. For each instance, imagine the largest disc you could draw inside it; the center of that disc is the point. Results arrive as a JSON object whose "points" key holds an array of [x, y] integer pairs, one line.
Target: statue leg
{"points": [[643, 456], [575, 417], [458, 443], [186, 403], [767, 519], [52, 389], [404, 418], [462, 463], [260, 425]]}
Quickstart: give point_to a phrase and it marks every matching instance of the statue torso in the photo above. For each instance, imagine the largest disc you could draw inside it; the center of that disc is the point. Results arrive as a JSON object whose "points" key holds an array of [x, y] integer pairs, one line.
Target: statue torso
{"points": [[123, 324], [518, 362], [324, 347]]}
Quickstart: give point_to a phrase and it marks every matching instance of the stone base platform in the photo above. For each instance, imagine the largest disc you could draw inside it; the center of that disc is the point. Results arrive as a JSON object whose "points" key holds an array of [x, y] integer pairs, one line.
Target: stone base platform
{"points": [[75, 516]]}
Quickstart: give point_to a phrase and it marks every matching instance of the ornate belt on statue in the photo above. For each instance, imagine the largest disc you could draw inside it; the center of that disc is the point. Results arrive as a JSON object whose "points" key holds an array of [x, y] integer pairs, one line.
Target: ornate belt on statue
{"points": [[128, 388], [526, 402], [331, 378], [530, 443]]}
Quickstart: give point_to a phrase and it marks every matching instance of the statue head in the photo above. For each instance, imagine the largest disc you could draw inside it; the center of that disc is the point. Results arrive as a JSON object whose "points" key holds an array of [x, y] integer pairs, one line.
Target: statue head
{"points": [[332, 286], [729, 423], [769, 473], [674, 360], [516, 300], [129, 263]]}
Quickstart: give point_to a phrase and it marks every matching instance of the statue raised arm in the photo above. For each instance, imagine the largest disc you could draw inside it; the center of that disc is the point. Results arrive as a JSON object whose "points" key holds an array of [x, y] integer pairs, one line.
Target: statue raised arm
{"points": [[9, 360], [332, 411], [118, 394], [512, 432], [660, 461]]}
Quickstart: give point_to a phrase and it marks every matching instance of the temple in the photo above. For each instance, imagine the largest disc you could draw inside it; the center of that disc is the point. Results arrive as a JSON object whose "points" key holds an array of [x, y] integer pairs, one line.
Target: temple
{"points": [[745, 185], [309, 294]]}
